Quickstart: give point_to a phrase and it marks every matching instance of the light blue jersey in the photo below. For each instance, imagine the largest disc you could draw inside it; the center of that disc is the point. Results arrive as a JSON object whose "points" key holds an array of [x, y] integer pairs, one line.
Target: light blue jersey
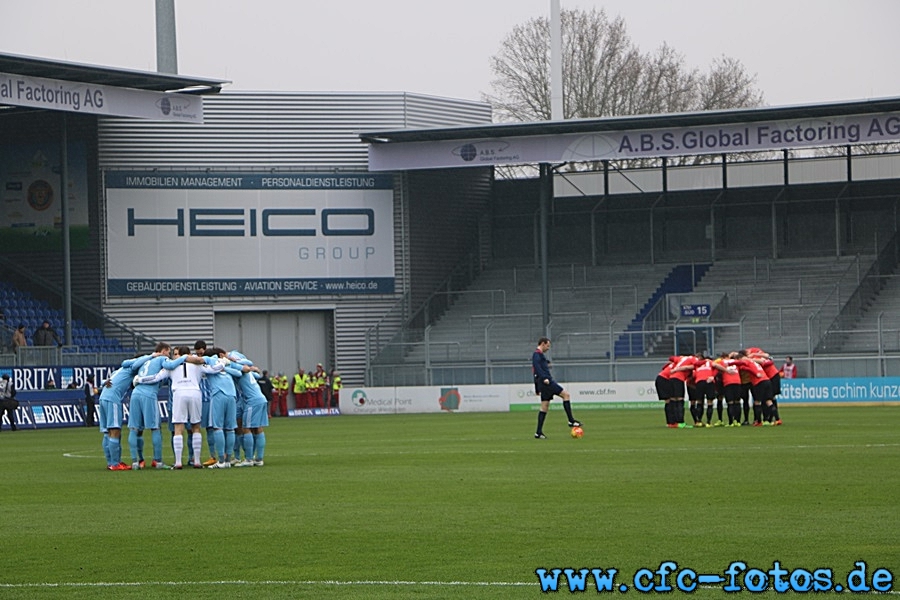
{"points": [[222, 407], [111, 397], [256, 412], [112, 415], [223, 395], [144, 410]]}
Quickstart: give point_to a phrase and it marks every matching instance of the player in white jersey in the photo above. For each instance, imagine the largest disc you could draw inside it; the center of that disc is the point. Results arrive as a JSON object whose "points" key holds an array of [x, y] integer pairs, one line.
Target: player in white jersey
{"points": [[184, 372]]}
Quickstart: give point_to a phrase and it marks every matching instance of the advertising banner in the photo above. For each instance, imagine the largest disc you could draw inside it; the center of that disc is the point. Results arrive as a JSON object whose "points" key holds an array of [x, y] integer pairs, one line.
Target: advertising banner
{"points": [[314, 412], [657, 142], [874, 390], [95, 99], [31, 197], [431, 399], [197, 234], [48, 409], [27, 379], [625, 394]]}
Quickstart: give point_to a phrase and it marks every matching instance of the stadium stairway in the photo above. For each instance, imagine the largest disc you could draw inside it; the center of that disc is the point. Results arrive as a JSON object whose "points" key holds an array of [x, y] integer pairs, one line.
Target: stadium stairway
{"points": [[681, 279]]}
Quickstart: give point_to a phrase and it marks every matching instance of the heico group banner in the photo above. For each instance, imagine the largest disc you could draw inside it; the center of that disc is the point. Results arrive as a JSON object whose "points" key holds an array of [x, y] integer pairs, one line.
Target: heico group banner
{"points": [[238, 234], [659, 142], [79, 97]]}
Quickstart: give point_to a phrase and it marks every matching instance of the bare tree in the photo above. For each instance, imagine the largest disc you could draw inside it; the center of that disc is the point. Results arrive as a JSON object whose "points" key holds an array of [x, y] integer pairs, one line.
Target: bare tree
{"points": [[728, 85], [606, 75]]}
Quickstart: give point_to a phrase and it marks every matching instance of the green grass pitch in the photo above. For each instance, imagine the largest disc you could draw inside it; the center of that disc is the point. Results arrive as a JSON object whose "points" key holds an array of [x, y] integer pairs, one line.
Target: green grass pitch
{"points": [[452, 506]]}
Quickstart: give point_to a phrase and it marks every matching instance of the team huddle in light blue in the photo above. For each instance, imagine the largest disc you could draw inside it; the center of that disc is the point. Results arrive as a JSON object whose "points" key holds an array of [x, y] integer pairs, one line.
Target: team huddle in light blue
{"points": [[211, 390]]}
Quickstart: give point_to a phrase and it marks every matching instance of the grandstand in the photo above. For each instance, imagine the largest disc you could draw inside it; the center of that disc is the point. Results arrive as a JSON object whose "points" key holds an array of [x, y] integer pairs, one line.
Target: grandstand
{"points": [[619, 318]]}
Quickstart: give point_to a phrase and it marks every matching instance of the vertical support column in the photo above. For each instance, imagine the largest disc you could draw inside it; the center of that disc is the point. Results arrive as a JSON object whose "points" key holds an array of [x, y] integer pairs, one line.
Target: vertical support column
{"points": [[849, 164], [774, 217], [546, 183], [837, 227], [64, 207]]}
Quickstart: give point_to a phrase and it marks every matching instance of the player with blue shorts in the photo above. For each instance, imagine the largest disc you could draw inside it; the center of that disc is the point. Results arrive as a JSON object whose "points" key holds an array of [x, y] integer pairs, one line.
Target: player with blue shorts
{"points": [[222, 407], [144, 409], [112, 415], [184, 372], [255, 415]]}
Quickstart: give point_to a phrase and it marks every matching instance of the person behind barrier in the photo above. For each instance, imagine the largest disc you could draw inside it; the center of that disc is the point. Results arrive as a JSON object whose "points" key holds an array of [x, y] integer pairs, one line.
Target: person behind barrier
{"points": [[8, 402]]}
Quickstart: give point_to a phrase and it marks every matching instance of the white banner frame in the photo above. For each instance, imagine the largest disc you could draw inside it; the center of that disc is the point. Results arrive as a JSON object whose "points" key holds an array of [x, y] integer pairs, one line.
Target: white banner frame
{"points": [[96, 99]]}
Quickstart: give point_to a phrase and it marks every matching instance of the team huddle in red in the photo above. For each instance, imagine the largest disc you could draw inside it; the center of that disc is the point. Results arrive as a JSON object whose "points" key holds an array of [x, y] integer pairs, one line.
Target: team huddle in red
{"points": [[732, 377]]}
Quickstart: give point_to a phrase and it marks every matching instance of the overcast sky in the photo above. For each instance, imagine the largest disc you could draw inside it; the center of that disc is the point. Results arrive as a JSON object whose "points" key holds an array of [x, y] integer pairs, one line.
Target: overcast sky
{"points": [[802, 51]]}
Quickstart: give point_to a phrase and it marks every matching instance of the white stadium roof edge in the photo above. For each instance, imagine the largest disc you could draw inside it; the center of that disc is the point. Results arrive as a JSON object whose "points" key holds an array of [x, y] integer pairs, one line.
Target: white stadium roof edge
{"points": [[93, 74], [636, 122], [639, 136]]}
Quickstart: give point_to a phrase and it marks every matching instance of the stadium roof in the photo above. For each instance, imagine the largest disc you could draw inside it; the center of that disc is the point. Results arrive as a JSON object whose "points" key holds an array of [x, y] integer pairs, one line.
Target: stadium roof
{"points": [[92, 74], [692, 119]]}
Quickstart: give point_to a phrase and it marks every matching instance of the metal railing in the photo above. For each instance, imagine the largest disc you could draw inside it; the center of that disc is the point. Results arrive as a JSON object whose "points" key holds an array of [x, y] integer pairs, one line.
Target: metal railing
{"points": [[68, 356], [531, 275], [822, 318], [867, 288], [617, 297], [603, 369]]}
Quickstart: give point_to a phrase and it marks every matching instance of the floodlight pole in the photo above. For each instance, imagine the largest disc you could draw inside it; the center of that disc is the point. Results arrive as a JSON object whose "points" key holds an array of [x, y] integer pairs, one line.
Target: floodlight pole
{"points": [[166, 43], [556, 86]]}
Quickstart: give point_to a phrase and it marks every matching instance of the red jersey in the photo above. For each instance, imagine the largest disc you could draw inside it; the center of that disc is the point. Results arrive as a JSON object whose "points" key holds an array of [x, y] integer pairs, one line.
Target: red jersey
{"points": [[769, 367], [666, 371], [682, 362], [731, 376], [754, 370], [703, 370]]}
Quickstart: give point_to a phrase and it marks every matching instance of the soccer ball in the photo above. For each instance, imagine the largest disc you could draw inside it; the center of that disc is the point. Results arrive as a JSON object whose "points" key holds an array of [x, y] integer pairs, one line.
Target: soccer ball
{"points": [[577, 433]]}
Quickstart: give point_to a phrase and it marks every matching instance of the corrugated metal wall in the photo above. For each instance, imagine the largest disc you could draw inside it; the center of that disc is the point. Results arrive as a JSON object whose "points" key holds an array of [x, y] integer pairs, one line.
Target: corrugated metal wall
{"points": [[284, 131], [303, 132]]}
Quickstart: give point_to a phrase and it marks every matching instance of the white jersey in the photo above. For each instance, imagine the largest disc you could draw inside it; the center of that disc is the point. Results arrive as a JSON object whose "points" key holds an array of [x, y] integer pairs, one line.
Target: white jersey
{"points": [[186, 377]]}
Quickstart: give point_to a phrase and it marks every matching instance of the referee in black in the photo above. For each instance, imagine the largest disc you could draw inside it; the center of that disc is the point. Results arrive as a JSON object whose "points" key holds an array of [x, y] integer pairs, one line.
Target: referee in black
{"points": [[547, 387]]}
